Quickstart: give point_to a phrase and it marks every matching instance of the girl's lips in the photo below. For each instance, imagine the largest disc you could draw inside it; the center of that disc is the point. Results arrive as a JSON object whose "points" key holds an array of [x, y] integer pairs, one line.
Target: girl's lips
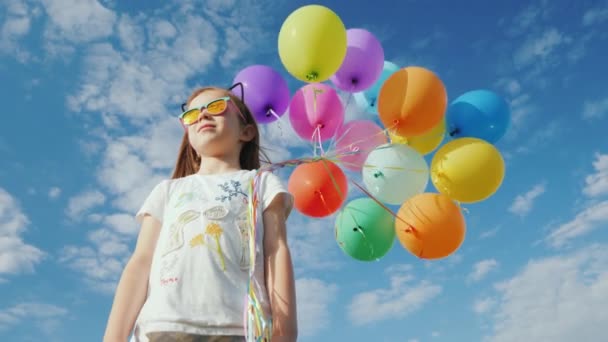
{"points": [[205, 126]]}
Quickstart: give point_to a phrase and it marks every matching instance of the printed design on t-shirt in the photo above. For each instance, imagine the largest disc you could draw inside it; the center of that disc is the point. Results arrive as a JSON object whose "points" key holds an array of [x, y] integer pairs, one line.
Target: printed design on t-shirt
{"points": [[175, 240], [198, 240], [231, 189], [217, 212], [215, 231], [243, 224], [167, 265], [184, 198]]}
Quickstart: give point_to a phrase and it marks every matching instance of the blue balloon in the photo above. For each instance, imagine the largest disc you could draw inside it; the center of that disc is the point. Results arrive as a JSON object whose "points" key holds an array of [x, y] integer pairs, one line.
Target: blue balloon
{"points": [[479, 114], [368, 100]]}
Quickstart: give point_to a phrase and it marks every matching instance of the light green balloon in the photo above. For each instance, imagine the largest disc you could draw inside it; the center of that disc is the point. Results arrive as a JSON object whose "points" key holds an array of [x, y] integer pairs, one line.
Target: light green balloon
{"points": [[365, 230], [394, 173]]}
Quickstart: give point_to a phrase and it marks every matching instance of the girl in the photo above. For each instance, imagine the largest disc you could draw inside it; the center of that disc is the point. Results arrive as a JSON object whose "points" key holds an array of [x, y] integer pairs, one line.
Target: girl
{"points": [[188, 276]]}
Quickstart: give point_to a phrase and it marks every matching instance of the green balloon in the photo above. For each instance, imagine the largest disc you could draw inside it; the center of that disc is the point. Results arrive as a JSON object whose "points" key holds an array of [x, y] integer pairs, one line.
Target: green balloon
{"points": [[365, 230]]}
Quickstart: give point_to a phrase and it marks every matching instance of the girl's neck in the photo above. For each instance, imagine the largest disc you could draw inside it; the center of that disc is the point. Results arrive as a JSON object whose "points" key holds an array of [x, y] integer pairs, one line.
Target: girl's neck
{"points": [[214, 165]]}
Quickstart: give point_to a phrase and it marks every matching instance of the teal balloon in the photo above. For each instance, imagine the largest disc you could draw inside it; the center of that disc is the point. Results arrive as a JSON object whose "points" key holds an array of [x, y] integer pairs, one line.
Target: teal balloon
{"points": [[479, 114], [394, 173], [368, 100], [365, 230]]}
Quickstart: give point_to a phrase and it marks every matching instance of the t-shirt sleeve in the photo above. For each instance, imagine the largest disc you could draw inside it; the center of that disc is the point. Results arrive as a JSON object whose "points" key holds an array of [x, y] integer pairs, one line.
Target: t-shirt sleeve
{"points": [[154, 205], [271, 186]]}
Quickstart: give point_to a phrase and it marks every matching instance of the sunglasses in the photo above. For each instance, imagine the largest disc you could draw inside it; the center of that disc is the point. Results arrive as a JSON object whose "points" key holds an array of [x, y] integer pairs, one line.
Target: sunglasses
{"points": [[213, 107]]}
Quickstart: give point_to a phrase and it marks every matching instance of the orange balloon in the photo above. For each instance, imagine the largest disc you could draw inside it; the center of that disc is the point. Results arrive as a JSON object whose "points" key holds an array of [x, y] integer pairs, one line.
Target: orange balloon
{"points": [[430, 226], [412, 101], [319, 188]]}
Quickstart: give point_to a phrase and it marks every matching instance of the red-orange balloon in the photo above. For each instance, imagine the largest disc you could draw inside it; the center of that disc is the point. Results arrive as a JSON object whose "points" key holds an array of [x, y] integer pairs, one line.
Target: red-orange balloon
{"points": [[412, 101], [430, 226], [319, 188]]}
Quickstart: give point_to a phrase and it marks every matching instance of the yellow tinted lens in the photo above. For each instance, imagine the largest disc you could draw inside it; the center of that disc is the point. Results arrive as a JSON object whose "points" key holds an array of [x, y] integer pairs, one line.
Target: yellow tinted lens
{"points": [[191, 116], [217, 107]]}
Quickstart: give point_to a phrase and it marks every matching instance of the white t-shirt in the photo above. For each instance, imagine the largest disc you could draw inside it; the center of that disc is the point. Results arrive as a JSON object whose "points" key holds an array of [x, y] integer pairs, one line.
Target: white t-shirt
{"points": [[200, 268]]}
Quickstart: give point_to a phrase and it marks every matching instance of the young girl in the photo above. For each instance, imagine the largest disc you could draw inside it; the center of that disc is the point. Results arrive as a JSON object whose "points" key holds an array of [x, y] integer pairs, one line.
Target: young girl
{"points": [[189, 275]]}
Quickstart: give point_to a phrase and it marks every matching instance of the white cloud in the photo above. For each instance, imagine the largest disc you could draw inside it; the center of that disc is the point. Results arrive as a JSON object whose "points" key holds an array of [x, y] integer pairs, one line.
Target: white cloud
{"points": [[481, 269], [510, 85], [16, 25], [596, 184], [122, 223], [539, 47], [16, 256], [523, 204], [527, 18], [278, 139], [54, 192], [78, 21], [541, 137], [80, 204], [482, 306], [102, 264], [489, 233], [314, 299], [585, 222], [402, 298], [312, 243], [595, 16], [29, 312], [559, 298], [595, 109], [435, 334]]}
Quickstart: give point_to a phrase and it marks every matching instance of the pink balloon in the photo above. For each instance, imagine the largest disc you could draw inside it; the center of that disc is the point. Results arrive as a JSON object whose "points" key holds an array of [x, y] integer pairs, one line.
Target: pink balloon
{"points": [[358, 138], [316, 112]]}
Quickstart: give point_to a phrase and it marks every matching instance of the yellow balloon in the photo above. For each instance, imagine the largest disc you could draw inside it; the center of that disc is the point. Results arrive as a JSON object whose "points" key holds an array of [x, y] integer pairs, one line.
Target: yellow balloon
{"points": [[429, 141], [425, 143], [467, 169], [397, 139], [312, 43]]}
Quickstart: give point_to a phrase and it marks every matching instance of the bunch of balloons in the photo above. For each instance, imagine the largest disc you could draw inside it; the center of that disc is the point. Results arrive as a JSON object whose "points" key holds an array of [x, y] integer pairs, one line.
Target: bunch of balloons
{"points": [[412, 104]]}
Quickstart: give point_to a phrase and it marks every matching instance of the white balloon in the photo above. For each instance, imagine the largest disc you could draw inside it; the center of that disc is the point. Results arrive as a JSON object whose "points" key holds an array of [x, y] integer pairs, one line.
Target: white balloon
{"points": [[395, 172]]}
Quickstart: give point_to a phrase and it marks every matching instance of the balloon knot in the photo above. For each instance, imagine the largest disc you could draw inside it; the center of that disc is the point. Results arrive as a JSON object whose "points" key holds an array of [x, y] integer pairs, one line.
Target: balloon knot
{"points": [[372, 102], [454, 132], [378, 174], [312, 76], [320, 125], [268, 111]]}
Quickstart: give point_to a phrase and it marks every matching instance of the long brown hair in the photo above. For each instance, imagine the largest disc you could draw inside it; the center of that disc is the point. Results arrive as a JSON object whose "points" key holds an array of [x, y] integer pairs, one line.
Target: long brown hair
{"points": [[188, 162]]}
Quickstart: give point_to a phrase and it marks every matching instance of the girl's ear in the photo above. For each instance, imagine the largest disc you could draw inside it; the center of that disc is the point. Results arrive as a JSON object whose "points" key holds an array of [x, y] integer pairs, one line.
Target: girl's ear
{"points": [[248, 133]]}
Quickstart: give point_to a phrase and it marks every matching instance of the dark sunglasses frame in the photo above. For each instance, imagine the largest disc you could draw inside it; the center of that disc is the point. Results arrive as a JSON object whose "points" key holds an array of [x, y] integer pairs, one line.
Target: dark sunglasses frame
{"points": [[238, 84]]}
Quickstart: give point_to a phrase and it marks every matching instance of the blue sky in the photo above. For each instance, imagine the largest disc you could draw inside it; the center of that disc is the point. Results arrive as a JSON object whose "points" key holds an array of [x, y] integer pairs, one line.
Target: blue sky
{"points": [[90, 91]]}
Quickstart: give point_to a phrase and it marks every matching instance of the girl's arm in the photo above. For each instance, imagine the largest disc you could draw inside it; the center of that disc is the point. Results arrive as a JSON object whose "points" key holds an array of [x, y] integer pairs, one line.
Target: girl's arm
{"points": [[279, 272], [132, 289]]}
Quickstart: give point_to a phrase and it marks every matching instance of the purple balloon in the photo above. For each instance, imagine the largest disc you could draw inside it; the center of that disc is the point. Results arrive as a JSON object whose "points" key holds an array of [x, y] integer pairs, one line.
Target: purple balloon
{"points": [[363, 63], [266, 92]]}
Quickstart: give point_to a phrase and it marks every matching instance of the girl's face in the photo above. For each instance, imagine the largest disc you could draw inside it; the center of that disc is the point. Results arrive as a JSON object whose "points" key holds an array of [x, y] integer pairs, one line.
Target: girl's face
{"points": [[221, 134]]}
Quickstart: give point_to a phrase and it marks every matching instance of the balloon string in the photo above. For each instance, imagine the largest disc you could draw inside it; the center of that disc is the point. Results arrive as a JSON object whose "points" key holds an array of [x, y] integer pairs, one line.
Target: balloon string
{"points": [[378, 201], [333, 179], [314, 141], [273, 113], [320, 140], [348, 99], [335, 152], [359, 230], [323, 201]]}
